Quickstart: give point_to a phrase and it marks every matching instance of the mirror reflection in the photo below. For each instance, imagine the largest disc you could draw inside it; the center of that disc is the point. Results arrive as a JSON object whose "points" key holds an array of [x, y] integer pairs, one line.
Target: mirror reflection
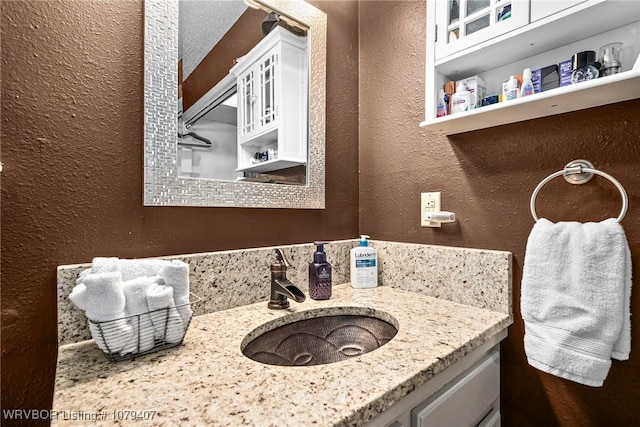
{"points": [[170, 180], [242, 94]]}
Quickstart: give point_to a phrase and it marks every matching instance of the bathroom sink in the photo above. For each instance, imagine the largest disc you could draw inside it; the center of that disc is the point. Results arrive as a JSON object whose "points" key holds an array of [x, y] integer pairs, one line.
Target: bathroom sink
{"points": [[320, 340]]}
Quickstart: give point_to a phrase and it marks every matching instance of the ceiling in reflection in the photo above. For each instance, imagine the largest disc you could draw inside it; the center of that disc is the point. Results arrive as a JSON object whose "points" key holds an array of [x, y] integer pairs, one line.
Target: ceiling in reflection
{"points": [[202, 24]]}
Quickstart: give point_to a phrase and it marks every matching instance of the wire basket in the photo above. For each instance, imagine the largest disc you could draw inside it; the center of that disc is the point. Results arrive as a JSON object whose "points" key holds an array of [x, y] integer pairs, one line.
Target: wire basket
{"points": [[139, 334]]}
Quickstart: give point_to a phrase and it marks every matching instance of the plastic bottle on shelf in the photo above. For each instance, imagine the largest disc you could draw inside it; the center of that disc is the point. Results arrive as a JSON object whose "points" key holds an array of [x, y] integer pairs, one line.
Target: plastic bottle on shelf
{"points": [[512, 89], [527, 84], [449, 90], [461, 100], [441, 110]]}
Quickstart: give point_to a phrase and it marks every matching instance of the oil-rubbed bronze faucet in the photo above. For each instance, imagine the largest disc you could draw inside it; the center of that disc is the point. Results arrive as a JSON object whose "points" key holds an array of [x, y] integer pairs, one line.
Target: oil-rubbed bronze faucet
{"points": [[281, 288]]}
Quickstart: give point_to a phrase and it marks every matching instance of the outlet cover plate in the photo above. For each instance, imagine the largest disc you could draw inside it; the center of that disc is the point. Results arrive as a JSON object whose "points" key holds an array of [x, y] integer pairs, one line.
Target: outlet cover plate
{"points": [[430, 202]]}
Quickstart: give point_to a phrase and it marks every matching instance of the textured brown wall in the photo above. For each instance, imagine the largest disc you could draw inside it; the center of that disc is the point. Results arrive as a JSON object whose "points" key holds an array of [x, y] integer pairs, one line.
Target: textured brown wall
{"points": [[487, 177], [72, 180], [72, 120]]}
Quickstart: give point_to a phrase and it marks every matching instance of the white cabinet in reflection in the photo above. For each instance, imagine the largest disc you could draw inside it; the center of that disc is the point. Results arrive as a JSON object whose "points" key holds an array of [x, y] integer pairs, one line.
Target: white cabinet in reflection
{"points": [[272, 85]]}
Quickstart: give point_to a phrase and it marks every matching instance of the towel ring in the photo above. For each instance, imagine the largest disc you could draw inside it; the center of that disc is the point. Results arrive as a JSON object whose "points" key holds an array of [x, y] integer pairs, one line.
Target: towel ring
{"points": [[579, 172]]}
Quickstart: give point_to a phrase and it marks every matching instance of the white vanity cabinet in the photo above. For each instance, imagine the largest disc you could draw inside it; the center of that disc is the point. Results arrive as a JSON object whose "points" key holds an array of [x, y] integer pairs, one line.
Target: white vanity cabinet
{"points": [[272, 101], [538, 33], [467, 394]]}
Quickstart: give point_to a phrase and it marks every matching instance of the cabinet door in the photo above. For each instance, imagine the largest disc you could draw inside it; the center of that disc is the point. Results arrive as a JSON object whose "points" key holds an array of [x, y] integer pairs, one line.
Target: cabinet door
{"points": [[246, 104], [462, 24], [267, 110], [259, 97], [543, 8], [466, 401]]}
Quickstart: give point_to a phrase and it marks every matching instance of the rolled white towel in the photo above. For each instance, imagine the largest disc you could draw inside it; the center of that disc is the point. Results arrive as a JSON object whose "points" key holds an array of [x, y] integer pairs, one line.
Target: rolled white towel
{"points": [[112, 336], [130, 268], [105, 264], [133, 268], [104, 301], [82, 275], [135, 291], [176, 275], [78, 296], [166, 320], [104, 296]]}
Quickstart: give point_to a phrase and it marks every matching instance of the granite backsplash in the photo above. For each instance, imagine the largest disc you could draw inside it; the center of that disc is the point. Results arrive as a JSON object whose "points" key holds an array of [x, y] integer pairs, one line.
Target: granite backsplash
{"points": [[227, 279]]}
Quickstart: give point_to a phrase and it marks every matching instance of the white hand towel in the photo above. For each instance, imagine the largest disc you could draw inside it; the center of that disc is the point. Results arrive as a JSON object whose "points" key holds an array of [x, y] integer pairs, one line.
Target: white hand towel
{"points": [[176, 275], [135, 291], [104, 300], [166, 320], [575, 302]]}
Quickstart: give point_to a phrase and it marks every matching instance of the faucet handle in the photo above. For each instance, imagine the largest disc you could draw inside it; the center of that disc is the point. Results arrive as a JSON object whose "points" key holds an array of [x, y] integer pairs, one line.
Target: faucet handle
{"points": [[280, 256]]}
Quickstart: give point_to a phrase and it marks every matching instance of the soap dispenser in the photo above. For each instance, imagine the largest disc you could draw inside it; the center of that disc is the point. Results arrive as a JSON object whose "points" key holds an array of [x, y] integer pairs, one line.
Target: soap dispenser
{"points": [[320, 274], [364, 265]]}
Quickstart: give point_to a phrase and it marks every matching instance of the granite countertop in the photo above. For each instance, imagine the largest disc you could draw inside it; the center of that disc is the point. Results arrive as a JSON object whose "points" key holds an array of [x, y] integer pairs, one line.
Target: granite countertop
{"points": [[208, 381]]}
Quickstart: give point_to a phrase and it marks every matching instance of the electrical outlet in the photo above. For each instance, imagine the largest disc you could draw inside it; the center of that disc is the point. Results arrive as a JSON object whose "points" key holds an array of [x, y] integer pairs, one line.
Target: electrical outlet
{"points": [[429, 202]]}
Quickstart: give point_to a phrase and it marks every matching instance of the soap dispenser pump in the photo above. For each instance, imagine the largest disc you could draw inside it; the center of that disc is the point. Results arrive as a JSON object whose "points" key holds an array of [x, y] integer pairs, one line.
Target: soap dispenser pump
{"points": [[320, 274]]}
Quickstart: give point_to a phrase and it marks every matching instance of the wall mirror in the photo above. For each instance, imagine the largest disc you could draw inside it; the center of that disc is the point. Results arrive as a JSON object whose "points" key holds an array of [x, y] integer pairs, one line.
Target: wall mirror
{"points": [[187, 118]]}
